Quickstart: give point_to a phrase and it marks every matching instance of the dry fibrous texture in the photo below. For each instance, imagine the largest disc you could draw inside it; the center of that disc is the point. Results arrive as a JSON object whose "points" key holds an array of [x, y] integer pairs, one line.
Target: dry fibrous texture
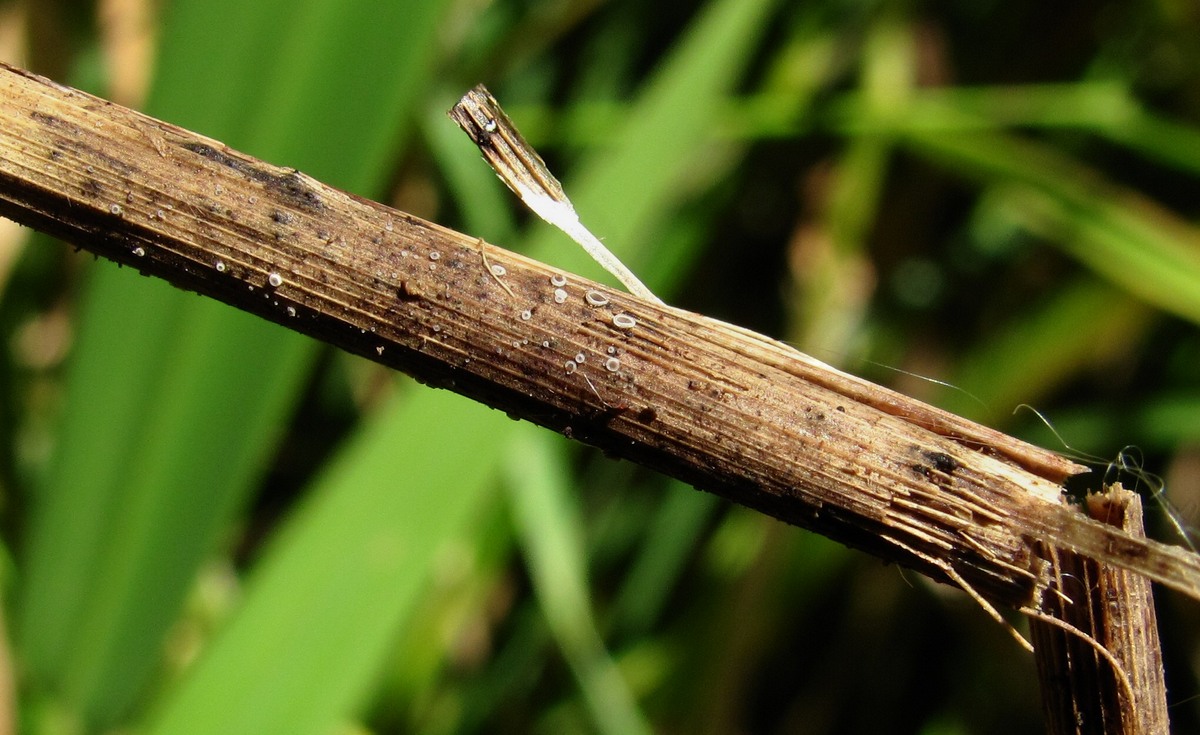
{"points": [[727, 410], [1105, 675]]}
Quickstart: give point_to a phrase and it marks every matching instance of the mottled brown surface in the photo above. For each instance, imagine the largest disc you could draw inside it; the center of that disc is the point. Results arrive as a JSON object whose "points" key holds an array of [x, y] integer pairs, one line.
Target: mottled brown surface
{"points": [[729, 411]]}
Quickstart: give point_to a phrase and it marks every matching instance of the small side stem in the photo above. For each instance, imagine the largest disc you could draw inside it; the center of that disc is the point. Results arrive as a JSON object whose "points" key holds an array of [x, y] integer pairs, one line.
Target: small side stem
{"points": [[521, 168], [1112, 609]]}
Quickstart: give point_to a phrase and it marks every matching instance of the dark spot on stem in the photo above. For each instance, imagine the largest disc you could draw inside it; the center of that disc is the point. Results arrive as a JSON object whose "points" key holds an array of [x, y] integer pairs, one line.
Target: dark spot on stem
{"points": [[406, 293], [53, 121], [290, 186], [942, 462]]}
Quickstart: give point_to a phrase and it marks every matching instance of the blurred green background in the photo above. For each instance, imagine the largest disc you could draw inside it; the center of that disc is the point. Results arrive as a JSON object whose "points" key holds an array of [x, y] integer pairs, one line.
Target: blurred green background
{"points": [[212, 525]]}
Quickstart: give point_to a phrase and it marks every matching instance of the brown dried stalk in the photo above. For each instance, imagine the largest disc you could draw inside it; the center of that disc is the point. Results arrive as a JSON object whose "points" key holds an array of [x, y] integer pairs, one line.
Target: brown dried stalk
{"points": [[724, 409], [1104, 673]]}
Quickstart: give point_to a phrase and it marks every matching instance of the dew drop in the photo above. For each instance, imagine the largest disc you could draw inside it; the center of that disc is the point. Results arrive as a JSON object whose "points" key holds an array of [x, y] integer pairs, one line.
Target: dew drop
{"points": [[612, 350], [379, 350], [437, 328], [221, 267], [498, 270], [580, 358], [388, 226], [595, 298], [546, 343], [560, 296], [624, 321], [160, 214], [491, 125], [612, 364], [435, 255], [526, 315], [274, 280], [291, 311], [571, 366], [139, 251], [558, 280], [115, 208]]}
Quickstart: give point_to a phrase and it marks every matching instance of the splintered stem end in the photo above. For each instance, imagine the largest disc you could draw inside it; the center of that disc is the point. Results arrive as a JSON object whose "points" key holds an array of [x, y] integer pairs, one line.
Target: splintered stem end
{"points": [[520, 167]]}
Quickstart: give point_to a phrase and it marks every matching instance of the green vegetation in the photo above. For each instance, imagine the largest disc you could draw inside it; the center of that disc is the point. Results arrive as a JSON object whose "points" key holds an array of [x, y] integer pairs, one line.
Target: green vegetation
{"points": [[213, 525]]}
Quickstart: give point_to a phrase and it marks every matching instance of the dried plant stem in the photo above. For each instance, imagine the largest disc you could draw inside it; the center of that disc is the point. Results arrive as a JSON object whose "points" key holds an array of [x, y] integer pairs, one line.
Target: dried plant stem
{"points": [[722, 408], [1096, 639]]}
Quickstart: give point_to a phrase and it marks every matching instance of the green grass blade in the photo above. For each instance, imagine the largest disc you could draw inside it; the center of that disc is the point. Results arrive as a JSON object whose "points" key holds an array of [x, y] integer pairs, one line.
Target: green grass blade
{"points": [[828, 296], [669, 542], [159, 514], [1128, 240], [175, 402], [331, 591], [623, 193], [1170, 141], [1032, 355], [1106, 108], [550, 527], [1170, 421]]}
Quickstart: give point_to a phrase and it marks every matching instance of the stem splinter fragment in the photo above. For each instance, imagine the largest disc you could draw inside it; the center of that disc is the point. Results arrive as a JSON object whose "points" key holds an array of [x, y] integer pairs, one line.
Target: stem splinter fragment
{"points": [[520, 167]]}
